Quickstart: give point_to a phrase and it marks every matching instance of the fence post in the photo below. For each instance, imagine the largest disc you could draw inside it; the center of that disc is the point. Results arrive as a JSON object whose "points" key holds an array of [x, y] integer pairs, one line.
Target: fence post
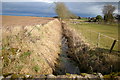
{"points": [[90, 36], [112, 45], [98, 39]]}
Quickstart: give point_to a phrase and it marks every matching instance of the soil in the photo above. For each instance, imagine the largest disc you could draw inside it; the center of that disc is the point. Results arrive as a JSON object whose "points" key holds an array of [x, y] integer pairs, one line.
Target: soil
{"points": [[24, 20]]}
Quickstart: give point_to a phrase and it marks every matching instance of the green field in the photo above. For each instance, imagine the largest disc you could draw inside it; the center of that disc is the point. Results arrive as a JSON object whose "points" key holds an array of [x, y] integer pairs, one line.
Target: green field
{"points": [[90, 33]]}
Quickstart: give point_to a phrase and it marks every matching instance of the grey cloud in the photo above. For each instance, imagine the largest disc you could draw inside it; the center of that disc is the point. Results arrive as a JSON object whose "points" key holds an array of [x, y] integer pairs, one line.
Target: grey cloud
{"points": [[86, 9]]}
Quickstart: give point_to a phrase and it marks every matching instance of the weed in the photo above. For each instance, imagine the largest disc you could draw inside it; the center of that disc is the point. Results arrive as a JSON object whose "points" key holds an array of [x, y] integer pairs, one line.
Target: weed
{"points": [[36, 68], [19, 67], [23, 57], [6, 61], [83, 74], [29, 34], [112, 75], [38, 28], [17, 76], [25, 54], [68, 74]]}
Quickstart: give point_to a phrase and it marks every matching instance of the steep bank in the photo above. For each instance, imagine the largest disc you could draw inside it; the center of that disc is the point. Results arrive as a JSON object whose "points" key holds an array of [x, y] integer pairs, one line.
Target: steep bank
{"points": [[31, 49]]}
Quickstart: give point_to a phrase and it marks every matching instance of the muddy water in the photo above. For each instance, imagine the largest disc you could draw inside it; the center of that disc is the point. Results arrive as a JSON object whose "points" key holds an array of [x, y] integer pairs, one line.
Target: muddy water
{"points": [[66, 64]]}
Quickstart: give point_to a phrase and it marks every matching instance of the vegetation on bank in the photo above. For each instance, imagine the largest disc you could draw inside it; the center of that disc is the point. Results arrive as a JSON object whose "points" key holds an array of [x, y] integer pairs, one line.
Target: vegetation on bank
{"points": [[26, 50], [89, 59], [90, 32]]}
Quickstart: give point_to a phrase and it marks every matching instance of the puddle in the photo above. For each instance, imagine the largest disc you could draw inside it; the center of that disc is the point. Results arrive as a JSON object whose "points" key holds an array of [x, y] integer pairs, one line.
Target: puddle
{"points": [[66, 64]]}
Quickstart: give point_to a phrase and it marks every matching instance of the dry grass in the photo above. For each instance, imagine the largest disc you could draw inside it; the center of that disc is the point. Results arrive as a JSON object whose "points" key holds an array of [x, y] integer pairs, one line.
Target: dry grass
{"points": [[30, 49]]}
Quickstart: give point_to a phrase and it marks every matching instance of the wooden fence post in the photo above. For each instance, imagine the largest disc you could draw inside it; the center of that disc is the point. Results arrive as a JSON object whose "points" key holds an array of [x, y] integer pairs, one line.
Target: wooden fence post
{"points": [[112, 45], [98, 39], [90, 36]]}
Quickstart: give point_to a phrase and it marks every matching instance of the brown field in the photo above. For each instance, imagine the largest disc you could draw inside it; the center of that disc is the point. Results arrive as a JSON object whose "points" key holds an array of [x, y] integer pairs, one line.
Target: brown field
{"points": [[24, 20]]}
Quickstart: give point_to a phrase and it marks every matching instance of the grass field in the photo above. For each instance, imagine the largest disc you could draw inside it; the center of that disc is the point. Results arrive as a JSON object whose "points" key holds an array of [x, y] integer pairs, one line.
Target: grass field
{"points": [[90, 32]]}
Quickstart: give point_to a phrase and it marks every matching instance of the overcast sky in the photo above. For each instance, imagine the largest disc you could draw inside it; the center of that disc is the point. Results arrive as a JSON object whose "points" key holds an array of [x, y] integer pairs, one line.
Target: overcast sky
{"points": [[46, 8]]}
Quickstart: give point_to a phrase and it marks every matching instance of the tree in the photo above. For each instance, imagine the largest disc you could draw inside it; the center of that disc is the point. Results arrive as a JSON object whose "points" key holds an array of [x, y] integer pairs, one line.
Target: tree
{"points": [[108, 12], [117, 16], [98, 18], [63, 12], [93, 19]]}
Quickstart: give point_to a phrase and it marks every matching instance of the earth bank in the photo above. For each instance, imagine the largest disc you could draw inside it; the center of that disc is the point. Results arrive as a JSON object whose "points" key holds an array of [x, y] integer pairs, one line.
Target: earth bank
{"points": [[31, 49]]}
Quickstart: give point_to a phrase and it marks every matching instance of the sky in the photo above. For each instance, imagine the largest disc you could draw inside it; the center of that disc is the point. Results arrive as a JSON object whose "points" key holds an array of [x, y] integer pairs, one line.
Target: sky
{"points": [[49, 1], [45, 8]]}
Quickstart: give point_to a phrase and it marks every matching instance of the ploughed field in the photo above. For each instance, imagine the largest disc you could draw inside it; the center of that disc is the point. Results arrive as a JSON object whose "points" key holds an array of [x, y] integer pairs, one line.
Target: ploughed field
{"points": [[24, 20]]}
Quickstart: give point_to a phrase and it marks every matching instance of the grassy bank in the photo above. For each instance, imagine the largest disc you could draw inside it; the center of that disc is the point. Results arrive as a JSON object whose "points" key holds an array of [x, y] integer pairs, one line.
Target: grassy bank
{"points": [[90, 32], [30, 49]]}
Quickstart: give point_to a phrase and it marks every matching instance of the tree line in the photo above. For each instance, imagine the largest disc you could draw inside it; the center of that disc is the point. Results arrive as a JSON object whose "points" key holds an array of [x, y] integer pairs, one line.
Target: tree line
{"points": [[64, 13]]}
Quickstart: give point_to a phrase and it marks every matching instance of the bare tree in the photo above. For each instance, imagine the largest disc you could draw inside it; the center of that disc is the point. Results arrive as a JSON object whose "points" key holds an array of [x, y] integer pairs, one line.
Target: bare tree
{"points": [[63, 12], [108, 12]]}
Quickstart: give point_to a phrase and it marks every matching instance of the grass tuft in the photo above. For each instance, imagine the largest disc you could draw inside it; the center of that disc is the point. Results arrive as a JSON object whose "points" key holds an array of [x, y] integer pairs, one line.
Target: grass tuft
{"points": [[25, 54], [36, 68]]}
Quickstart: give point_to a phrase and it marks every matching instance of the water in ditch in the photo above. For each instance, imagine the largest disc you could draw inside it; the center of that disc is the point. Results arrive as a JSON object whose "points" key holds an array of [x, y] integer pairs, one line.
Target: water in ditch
{"points": [[66, 65]]}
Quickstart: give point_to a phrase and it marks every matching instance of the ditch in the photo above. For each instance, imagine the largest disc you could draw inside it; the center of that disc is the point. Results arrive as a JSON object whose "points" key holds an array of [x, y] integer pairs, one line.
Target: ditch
{"points": [[76, 57], [66, 65]]}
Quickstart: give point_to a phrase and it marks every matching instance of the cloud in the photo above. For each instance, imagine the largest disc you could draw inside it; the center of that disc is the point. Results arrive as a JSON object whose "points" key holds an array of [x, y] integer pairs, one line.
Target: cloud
{"points": [[89, 8], [84, 9]]}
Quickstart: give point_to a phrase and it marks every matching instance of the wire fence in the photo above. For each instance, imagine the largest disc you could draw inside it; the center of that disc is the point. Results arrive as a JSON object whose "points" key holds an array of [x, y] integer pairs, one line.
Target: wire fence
{"points": [[97, 39]]}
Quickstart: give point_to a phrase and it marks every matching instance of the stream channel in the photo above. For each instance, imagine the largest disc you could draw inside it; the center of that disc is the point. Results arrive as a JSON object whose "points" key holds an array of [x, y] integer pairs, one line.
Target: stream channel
{"points": [[66, 64]]}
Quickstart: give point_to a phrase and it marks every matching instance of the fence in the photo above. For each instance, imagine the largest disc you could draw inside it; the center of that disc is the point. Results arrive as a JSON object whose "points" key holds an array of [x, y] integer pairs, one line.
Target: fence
{"points": [[97, 39]]}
